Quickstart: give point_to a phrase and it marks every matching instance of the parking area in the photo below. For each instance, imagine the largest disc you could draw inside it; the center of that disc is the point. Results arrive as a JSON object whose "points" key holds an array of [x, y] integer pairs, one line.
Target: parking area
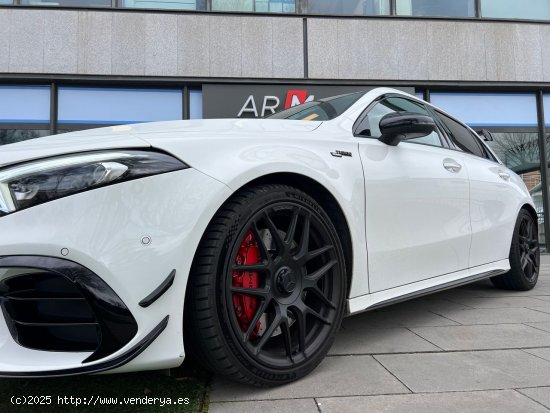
{"points": [[474, 348]]}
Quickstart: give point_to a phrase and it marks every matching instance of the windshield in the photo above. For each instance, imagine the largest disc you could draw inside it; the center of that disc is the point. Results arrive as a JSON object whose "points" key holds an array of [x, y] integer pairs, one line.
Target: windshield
{"points": [[323, 109]]}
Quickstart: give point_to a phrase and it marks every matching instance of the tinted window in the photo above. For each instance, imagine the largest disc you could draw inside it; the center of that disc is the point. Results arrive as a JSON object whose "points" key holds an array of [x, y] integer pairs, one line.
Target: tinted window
{"points": [[370, 125], [452, 8], [366, 7], [324, 109], [462, 137], [514, 9]]}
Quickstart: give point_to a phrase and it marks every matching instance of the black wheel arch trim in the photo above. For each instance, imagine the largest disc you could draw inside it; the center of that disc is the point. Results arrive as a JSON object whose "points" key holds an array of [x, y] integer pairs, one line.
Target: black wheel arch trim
{"points": [[118, 361]]}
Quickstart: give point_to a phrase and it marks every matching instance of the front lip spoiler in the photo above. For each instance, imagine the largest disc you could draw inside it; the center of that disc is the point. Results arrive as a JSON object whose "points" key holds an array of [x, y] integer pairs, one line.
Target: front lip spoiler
{"points": [[118, 361]]}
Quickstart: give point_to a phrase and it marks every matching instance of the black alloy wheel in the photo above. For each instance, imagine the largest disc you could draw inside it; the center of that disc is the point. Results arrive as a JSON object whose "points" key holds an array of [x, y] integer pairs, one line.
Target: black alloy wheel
{"points": [[279, 287], [524, 256]]}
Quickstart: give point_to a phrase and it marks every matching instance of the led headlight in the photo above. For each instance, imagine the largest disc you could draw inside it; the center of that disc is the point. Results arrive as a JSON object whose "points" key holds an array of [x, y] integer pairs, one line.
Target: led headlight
{"points": [[33, 183]]}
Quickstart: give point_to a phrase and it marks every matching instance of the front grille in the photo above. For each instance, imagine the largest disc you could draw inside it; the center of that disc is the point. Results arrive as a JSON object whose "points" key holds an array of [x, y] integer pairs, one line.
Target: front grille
{"points": [[46, 311]]}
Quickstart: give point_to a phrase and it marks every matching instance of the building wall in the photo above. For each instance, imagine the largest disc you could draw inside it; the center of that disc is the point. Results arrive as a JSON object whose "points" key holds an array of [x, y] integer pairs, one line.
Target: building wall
{"points": [[202, 45]]}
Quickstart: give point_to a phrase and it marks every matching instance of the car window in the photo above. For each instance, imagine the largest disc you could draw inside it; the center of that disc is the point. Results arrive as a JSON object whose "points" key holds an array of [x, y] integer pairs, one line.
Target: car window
{"points": [[323, 109], [370, 125], [463, 138]]}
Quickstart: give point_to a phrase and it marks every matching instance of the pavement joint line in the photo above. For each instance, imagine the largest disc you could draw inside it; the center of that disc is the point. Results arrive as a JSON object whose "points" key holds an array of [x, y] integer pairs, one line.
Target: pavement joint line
{"points": [[538, 311], [317, 405], [530, 398], [448, 318], [393, 375], [536, 328], [425, 339], [401, 353], [458, 302], [539, 357]]}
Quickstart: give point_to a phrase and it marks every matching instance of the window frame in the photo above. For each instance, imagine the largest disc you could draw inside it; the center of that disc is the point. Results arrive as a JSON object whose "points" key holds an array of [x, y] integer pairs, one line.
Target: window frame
{"points": [[355, 129]]}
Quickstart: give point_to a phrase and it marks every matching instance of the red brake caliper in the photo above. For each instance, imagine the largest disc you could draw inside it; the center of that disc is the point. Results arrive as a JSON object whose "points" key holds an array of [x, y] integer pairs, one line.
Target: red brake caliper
{"points": [[246, 305]]}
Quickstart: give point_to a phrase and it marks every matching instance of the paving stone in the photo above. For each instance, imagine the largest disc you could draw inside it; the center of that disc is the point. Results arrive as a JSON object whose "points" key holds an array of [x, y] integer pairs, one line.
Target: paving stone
{"points": [[543, 353], [272, 406], [398, 316], [540, 394], [504, 401], [336, 376], [495, 316], [484, 337], [464, 371], [355, 339], [500, 302], [541, 326]]}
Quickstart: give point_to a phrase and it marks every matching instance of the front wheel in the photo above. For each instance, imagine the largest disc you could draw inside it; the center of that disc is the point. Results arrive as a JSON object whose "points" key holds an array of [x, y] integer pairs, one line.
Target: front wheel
{"points": [[524, 256], [267, 287]]}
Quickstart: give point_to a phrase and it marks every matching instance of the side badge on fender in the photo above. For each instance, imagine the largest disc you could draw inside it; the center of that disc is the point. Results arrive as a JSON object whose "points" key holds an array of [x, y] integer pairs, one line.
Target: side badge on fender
{"points": [[339, 154]]}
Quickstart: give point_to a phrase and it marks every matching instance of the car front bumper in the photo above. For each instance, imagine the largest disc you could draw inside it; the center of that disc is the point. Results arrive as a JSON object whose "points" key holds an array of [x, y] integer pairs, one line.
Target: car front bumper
{"points": [[121, 245]]}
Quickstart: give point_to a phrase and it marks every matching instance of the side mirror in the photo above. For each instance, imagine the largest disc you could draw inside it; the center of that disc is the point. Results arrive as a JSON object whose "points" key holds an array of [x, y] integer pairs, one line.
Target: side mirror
{"points": [[400, 126], [485, 135]]}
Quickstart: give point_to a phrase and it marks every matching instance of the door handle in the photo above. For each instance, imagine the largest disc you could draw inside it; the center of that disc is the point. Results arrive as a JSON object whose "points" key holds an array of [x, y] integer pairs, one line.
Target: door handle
{"points": [[451, 165], [504, 175]]}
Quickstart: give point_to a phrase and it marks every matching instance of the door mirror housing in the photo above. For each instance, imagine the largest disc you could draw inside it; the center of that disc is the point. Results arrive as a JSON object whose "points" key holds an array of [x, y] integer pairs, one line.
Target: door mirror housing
{"points": [[401, 126]]}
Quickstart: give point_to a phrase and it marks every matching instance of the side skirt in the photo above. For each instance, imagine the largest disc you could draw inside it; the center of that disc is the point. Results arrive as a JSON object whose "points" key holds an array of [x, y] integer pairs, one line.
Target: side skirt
{"points": [[370, 302]]}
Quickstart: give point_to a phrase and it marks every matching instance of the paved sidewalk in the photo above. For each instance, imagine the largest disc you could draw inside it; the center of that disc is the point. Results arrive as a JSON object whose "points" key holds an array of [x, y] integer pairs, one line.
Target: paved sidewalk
{"points": [[474, 348]]}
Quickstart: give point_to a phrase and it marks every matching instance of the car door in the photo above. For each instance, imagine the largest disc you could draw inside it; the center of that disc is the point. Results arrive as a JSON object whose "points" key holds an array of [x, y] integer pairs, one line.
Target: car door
{"points": [[493, 206], [417, 202]]}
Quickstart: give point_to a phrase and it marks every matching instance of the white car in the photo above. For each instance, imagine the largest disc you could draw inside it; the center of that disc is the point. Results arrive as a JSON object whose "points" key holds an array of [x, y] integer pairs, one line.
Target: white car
{"points": [[247, 240]]}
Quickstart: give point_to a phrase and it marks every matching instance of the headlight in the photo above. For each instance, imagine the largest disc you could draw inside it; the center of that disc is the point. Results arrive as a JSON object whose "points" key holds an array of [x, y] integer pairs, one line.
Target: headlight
{"points": [[29, 184]]}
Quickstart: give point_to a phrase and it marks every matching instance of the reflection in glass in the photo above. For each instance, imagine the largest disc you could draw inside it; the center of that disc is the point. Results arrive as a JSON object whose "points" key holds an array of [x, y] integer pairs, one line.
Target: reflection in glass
{"points": [[520, 152], [360, 7], [446, 8], [276, 6], [166, 4], [68, 3], [233, 5], [514, 9], [8, 136]]}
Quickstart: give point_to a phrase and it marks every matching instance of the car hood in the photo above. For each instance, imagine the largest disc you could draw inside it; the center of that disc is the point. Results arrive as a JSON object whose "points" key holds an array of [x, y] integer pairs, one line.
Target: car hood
{"points": [[144, 135]]}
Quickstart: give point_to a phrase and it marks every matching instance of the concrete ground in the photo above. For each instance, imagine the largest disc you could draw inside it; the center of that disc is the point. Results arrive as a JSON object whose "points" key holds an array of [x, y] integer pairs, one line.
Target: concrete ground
{"points": [[473, 348]]}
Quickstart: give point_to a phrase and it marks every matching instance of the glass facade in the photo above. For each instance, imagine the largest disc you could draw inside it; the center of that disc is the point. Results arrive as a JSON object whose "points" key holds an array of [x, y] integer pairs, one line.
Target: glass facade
{"points": [[500, 9], [514, 9], [446, 8], [24, 113], [67, 3], [166, 4], [358, 7]]}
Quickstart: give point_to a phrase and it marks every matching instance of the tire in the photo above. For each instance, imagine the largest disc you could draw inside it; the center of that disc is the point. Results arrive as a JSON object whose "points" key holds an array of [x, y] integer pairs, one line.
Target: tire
{"points": [[264, 302], [524, 256]]}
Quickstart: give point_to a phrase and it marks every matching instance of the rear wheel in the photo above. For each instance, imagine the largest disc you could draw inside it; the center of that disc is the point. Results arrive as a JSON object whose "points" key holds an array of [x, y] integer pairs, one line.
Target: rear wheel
{"points": [[524, 256], [267, 287]]}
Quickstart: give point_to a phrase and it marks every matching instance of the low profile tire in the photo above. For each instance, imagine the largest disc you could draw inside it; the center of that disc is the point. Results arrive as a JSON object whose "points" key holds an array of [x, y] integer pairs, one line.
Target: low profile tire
{"points": [[524, 256], [267, 288]]}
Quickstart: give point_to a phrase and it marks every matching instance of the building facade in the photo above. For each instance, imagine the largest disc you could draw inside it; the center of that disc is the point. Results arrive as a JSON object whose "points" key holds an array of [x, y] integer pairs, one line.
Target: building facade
{"points": [[74, 64]]}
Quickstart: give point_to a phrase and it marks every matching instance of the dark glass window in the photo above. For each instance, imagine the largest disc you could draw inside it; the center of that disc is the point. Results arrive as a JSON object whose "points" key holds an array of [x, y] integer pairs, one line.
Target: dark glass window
{"points": [[276, 6], [370, 125], [450, 8], [514, 9], [8, 136], [324, 109], [68, 3], [361, 7], [166, 4], [463, 138]]}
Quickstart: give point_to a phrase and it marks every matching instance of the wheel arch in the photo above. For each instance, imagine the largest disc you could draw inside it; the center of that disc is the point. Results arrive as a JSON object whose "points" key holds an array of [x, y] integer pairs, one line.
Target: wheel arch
{"points": [[327, 201], [529, 208]]}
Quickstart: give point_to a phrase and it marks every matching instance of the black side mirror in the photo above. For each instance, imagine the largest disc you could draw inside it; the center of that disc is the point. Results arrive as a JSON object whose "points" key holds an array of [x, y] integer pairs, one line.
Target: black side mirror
{"points": [[485, 135], [400, 126]]}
